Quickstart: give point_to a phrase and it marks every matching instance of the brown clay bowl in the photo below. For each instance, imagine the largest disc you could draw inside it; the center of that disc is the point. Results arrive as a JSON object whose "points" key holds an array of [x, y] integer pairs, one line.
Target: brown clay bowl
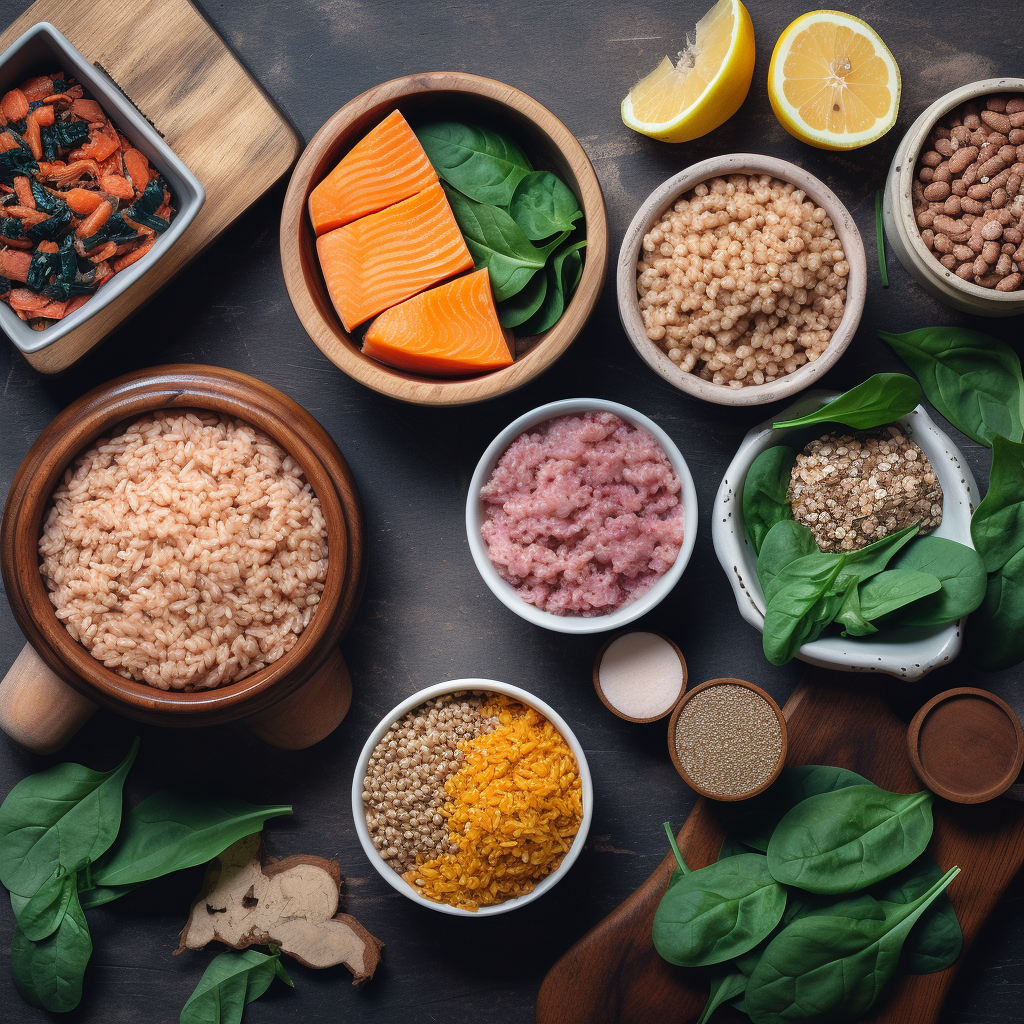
{"points": [[451, 95], [125, 399]]}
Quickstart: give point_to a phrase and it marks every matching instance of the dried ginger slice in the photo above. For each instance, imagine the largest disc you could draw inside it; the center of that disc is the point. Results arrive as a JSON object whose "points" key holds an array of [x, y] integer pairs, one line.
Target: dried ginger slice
{"points": [[292, 903]]}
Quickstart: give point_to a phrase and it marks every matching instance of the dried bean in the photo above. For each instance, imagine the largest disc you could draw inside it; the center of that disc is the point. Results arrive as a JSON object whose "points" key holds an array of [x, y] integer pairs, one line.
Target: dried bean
{"points": [[999, 197], [961, 159], [926, 174], [942, 244], [961, 252], [966, 271], [1009, 283], [937, 191], [1003, 264], [1017, 119], [948, 261], [968, 205], [990, 252], [991, 167], [952, 206], [972, 121], [980, 191], [1016, 136], [993, 229], [997, 103], [957, 186], [932, 159], [1015, 105], [1000, 122], [944, 146]]}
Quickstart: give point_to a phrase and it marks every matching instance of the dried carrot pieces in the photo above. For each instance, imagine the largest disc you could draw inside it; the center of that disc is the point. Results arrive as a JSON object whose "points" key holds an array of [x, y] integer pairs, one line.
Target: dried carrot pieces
{"points": [[14, 105], [117, 186], [88, 110], [137, 167], [94, 221]]}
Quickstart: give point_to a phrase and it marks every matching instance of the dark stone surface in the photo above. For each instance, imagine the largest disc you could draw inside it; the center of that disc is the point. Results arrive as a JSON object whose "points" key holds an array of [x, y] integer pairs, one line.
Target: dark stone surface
{"points": [[426, 615]]}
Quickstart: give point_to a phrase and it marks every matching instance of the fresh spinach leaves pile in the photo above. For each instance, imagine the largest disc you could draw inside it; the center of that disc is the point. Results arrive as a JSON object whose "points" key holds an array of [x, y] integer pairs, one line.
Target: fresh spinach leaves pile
{"points": [[820, 894], [230, 982], [64, 849], [503, 206], [975, 381], [878, 587]]}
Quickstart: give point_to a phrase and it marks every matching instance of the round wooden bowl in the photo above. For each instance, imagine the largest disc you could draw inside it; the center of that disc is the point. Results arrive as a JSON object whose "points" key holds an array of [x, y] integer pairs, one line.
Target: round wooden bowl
{"points": [[125, 399], [450, 95], [600, 690], [726, 797], [966, 745]]}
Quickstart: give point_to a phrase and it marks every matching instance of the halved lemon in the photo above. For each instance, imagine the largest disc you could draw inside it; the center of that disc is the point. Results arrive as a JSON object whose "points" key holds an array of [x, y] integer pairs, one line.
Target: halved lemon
{"points": [[691, 97], [832, 81]]}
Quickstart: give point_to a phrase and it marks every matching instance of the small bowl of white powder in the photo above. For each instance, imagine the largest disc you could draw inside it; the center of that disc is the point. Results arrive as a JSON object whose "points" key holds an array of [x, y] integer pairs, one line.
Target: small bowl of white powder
{"points": [[640, 675]]}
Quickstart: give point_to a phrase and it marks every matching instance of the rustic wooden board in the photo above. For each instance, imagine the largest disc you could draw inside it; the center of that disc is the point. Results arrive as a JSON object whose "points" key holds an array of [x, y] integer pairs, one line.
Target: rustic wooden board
{"points": [[614, 975], [181, 75]]}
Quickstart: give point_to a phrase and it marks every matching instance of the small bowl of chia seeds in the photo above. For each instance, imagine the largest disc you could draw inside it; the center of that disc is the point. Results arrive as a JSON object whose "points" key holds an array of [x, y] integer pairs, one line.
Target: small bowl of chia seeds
{"points": [[851, 488], [472, 797]]}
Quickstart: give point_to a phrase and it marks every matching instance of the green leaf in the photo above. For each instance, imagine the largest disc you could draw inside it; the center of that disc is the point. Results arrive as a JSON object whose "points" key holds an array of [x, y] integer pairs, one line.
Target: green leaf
{"points": [[49, 974], [175, 829], [725, 986], [563, 274], [498, 243], [802, 601], [879, 400], [784, 543], [63, 817], [542, 205], [43, 912], [518, 308], [972, 379], [230, 982], [894, 588], [997, 526], [865, 562], [995, 632], [961, 573], [718, 912], [850, 616], [482, 164], [846, 840], [765, 493]]}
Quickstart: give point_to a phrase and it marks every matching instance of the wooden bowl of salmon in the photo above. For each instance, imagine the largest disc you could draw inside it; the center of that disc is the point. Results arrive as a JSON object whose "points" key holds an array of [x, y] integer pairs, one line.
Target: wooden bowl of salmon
{"points": [[455, 96]]}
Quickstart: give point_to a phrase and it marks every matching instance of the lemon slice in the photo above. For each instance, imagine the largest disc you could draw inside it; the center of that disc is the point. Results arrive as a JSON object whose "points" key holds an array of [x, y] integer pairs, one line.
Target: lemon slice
{"points": [[705, 87], [832, 81]]}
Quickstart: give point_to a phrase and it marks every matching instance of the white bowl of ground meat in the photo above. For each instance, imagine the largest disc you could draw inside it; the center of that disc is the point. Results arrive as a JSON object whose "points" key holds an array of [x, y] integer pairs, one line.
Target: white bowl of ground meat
{"points": [[908, 652], [741, 280], [581, 515]]}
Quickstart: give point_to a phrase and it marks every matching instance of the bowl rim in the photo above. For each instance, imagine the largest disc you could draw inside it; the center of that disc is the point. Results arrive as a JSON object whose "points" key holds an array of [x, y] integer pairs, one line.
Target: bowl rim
{"points": [[918, 649], [421, 696], [188, 191], [322, 325], [504, 592], [905, 163], [650, 212], [181, 387]]}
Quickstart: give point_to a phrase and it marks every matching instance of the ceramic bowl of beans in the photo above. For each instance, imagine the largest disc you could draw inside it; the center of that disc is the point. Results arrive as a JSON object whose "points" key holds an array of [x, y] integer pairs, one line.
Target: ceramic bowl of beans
{"points": [[908, 652], [741, 280], [954, 200], [417, 763]]}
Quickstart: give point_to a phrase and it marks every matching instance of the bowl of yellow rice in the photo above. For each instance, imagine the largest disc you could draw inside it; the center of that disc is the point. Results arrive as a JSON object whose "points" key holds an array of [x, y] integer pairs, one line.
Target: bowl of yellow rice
{"points": [[472, 797]]}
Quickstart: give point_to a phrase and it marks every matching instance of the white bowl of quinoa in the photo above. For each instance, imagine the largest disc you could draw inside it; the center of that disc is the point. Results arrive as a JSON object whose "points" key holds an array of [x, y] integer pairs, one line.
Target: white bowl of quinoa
{"points": [[909, 652], [472, 797], [741, 280], [581, 515]]}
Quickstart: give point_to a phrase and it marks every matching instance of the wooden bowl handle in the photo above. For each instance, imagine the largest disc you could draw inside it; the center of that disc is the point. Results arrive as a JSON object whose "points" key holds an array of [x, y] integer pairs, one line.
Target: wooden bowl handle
{"points": [[37, 708], [310, 714]]}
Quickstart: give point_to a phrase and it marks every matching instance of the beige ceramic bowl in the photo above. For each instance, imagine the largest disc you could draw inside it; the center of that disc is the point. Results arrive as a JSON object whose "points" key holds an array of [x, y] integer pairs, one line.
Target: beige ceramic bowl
{"points": [[901, 230], [650, 213]]}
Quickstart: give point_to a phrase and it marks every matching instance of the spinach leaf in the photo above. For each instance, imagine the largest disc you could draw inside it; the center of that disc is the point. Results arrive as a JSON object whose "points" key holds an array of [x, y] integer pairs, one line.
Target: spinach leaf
{"points": [[995, 633], [518, 308], [973, 379], [880, 399], [784, 543], [40, 916], [497, 242], [894, 588], [726, 985], [803, 602], [563, 273], [833, 966], [935, 942], [175, 829], [63, 817], [958, 568], [713, 914], [230, 982], [480, 163], [732, 847], [849, 839], [850, 616], [863, 563], [765, 493], [542, 205], [49, 974]]}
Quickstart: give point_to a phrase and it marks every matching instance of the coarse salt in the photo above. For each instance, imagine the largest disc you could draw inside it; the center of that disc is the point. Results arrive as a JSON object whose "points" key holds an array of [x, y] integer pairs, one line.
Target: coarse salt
{"points": [[640, 675]]}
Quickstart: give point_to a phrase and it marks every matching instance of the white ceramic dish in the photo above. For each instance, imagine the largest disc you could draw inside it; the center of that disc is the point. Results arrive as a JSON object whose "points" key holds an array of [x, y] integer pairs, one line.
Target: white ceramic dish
{"points": [[651, 212], [43, 49], [505, 593], [902, 232], [908, 653], [390, 875]]}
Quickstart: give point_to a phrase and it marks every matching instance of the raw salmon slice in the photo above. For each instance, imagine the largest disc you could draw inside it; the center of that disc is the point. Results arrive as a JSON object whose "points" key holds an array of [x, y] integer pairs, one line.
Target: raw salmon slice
{"points": [[377, 261], [382, 169], [448, 330]]}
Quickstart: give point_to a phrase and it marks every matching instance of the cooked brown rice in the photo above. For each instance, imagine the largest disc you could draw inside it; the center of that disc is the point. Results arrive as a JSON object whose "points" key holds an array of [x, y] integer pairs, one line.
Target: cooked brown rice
{"points": [[186, 551]]}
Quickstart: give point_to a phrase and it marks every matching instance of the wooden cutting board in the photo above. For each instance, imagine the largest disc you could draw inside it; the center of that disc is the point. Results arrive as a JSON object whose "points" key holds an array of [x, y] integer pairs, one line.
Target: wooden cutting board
{"points": [[181, 75], [613, 974]]}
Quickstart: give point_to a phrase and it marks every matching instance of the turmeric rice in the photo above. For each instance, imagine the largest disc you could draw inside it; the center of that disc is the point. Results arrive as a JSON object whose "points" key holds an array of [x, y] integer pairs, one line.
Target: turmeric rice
{"points": [[513, 810]]}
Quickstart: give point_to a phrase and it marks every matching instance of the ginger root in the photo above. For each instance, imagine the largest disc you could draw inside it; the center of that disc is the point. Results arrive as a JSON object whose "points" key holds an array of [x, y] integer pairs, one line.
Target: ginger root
{"points": [[292, 903]]}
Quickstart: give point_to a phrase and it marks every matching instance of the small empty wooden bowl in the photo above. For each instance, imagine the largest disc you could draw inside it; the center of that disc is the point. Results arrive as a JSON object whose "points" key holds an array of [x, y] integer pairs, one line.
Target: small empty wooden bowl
{"points": [[672, 650], [63, 659], [453, 96], [966, 745], [734, 761]]}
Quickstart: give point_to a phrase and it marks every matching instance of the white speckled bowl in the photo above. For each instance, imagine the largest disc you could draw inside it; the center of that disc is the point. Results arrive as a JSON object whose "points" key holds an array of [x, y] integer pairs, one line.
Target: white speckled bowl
{"points": [[391, 876], [505, 592], [908, 653]]}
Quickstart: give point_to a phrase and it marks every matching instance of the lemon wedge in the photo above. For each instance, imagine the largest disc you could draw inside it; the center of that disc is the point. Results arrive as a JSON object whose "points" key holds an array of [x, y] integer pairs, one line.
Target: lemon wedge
{"points": [[691, 97], [832, 81]]}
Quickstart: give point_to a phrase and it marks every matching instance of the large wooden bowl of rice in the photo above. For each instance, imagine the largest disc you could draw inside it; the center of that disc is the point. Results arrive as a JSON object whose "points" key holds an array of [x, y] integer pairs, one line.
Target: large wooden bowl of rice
{"points": [[35, 545]]}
